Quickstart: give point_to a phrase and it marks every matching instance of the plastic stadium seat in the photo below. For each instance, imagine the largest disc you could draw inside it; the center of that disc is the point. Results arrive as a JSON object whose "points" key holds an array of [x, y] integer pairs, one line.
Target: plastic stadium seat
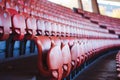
{"points": [[43, 44], [24, 12], [54, 29], [40, 27], [11, 11], [5, 24], [31, 27], [77, 51], [73, 50], [55, 40], [63, 31], [27, 10], [47, 27], [20, 8], [18, 27], [66, 57], [82, 47], [31, 31], [118, 64], [65, 54], [11, 7], [17, 34], [58, 30], [56, 43], [67, 31], [34, 13], [81, 53], [49, 58], [2, 3]]}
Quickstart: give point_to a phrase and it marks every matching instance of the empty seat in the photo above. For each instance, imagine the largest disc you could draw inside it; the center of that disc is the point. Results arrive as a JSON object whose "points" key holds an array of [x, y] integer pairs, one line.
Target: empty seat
{"points": [[40, 27], [18, 32], [31, 27], [18, 28], [11, 7], [73, 50], [66, 57], [5, 24], [31, 32], [54, 29], [47, 27], [49, 58], [118, 64], [56, 44], [2, 4]]}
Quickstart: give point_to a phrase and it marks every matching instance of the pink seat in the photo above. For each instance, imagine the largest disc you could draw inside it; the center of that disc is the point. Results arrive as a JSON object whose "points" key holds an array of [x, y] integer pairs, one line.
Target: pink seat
{"points": [[2, 3], [74, 53], [40, 27], [31, 27], [27, 10], [55, 62], [18, 27], [54, 29], [43, 44], [11, 7], [63, 30], [66, 57], [49, 58], [11, 11], [47, 27], [5, 24]]}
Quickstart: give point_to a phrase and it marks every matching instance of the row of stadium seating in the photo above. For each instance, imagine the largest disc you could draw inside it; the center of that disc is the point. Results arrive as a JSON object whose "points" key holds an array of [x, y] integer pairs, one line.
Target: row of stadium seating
{"points": [[104, 21], [118, 64], [63, 40]]}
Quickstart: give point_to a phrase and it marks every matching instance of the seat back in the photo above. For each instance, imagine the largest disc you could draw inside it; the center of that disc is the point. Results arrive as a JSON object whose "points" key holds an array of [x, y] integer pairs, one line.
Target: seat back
{"points": [[55, 63], [54, 29], [74, 55], [11, 7], [49, 57], [40, 27], [18, 27], [31, 27], [5, 24], [47, 27], [66, 57], [2, 3], [43, 44]]}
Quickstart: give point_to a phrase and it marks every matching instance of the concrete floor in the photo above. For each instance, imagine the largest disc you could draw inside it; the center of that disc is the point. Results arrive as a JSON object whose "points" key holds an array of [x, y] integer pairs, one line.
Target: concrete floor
{"points": [[102, 69]]}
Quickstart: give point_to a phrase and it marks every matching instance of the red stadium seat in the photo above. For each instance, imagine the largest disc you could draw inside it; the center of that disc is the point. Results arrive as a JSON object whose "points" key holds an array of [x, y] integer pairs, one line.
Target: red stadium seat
{"points": [[47, 27], [54, 29], [40, 27], [49, 57], [18, 27], [66, 57], [43, 44], [2, 3], [5, 24], [55, 62], [59, 30], [73, 50], [63, 30], [31, 32], [31, 28], [11, 7]]}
